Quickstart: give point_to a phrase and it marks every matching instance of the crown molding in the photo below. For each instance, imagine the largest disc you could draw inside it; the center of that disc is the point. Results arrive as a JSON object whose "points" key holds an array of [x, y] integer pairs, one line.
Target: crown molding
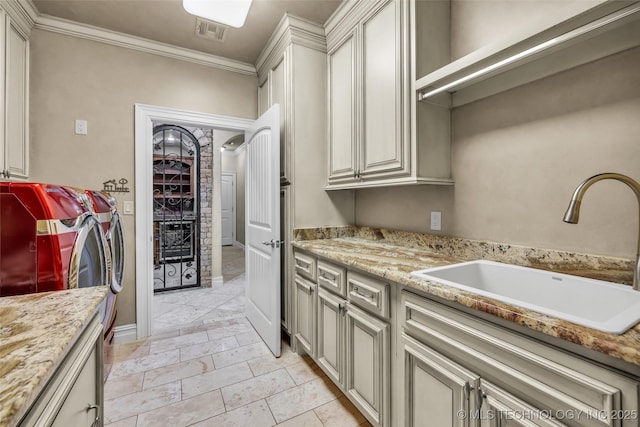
{"points": [[89, 32], [290, 30], [22, 12]]}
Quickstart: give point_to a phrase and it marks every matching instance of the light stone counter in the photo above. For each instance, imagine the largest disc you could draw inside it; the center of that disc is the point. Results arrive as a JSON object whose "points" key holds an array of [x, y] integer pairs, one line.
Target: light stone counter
{"points": [[36, 333], [394, 254]]}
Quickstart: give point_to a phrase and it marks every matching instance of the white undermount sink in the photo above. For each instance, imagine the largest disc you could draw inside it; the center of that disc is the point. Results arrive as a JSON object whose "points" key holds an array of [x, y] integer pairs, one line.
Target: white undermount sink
{"points": [[606, 306]]}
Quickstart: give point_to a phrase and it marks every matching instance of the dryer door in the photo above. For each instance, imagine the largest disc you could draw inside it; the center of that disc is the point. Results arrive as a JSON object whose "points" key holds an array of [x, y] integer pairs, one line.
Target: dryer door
{"points": [[89, 260], [117, 253]]}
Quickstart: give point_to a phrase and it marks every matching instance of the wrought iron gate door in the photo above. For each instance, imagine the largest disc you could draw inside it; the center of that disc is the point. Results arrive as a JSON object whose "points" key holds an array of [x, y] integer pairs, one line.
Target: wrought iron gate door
{"points": [[176, 208]]}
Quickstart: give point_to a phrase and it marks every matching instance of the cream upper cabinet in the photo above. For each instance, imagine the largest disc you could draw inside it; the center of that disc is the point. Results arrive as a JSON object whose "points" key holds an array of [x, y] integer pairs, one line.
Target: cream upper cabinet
{"points": [[14, 138], [373, 136], [383, 140], [343, 150]]}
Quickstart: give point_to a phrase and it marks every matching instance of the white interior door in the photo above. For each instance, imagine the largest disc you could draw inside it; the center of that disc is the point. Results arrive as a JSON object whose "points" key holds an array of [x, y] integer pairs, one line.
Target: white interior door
{"points": [[227, 207], [262, 208]]}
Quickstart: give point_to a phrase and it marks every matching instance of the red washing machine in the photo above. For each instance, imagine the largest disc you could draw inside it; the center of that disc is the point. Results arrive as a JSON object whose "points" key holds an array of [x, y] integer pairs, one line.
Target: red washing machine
{"points": [[49, 239], [105, 208]]}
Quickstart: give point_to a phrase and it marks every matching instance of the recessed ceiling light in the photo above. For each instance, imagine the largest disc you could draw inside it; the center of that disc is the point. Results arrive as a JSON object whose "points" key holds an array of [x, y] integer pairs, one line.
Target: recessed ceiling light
{"points": [[229, 12]]}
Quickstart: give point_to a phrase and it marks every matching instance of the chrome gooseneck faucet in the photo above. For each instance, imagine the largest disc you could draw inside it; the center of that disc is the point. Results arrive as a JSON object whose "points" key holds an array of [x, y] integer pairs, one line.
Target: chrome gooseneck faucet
{"points": [[573, 211]]}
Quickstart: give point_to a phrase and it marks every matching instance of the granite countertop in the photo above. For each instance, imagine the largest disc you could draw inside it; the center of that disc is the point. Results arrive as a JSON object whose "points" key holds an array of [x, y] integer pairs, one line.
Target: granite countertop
{"points": [[381, 253], [36, 333]]}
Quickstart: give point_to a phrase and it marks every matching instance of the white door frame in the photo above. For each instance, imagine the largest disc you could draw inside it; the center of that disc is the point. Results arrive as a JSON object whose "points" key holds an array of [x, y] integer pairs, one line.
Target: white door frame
{"points": [[145, 116], [233, 204]]}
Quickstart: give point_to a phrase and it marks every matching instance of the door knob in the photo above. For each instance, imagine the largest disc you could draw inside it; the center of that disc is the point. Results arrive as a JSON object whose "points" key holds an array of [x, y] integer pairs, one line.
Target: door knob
{"points": [[273, 243]]}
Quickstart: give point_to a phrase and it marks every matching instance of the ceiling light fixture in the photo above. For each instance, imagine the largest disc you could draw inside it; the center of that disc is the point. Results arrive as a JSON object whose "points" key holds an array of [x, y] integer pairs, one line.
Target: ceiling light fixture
{"points": [[228, 12]]}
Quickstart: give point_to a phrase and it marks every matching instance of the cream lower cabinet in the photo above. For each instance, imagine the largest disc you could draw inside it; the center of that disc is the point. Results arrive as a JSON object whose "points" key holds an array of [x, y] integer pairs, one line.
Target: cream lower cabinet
{"points": [[306, 314], [462, 371], [406, 360], [436, 388], [354, 350], [368, 352], [331, 339], [74, 396], [442, 393]]}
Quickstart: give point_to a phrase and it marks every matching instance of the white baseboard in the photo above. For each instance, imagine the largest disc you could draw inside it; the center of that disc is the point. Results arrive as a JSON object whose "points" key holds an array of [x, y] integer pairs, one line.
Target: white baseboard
{"points": [[125, 333], [238, 244], [217, 281]]}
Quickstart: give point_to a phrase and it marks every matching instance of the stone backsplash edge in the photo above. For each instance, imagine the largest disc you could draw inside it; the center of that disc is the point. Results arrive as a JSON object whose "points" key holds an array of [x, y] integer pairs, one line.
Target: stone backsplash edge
{"points": [[618, 270]]}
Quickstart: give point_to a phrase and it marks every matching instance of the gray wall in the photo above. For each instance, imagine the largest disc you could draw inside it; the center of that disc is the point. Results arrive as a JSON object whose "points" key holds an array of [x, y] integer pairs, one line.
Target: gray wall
{"points": [[73, 78]]}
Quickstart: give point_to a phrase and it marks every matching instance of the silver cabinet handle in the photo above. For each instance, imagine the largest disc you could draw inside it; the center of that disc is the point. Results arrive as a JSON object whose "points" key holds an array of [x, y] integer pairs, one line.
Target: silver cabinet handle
{"points": [[96, 421], [326, 275], [356, 291], [342, 308]]}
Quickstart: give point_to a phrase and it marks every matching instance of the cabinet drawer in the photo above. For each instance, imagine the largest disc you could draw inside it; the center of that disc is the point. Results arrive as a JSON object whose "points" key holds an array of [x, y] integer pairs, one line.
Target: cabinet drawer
{"points": [[332, 277], [534, 372], [305, 265], [368, 293]]}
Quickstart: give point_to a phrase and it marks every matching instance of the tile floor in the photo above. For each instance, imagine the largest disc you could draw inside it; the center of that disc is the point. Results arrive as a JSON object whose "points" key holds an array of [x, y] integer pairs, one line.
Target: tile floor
{"points": [[206, 366]]}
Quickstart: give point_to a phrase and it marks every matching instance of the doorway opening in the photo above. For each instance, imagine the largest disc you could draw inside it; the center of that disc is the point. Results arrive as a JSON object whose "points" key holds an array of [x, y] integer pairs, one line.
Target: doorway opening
{"points": [[176, 208], [145, 118]]}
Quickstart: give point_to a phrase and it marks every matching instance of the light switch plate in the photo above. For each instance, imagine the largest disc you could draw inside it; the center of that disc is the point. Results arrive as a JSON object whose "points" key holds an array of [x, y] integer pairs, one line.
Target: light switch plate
{"points": [[127, 207], [81, 127]]}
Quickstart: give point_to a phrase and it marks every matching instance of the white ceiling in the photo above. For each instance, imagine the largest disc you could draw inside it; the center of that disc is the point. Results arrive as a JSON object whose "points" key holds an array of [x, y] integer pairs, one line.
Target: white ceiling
{"points": [[165, 21]]}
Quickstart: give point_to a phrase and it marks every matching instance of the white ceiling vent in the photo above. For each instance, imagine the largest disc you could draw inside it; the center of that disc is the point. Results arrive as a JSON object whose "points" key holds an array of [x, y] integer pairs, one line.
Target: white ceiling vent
{"points": [[211, 30]]}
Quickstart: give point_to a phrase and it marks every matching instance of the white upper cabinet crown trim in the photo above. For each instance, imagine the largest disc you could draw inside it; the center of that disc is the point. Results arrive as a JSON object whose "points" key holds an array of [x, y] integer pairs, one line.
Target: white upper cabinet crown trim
{"points": [[23, 13], [290, 30]]}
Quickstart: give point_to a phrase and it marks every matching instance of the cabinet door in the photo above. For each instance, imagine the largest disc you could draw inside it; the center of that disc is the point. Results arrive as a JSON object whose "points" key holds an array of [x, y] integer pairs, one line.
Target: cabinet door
{"points": [[74, 396], [438, 392], [305, 314], [501, 409], [368, 355], [279, 96], [76, 411], [331, 334], [383, 147], [16, 102], [264, 101], [342, 111]]}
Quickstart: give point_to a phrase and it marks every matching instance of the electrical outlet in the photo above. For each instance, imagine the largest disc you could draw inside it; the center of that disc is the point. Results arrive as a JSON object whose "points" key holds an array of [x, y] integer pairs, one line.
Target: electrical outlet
{"points": [[81, 127], [436, 220]]}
